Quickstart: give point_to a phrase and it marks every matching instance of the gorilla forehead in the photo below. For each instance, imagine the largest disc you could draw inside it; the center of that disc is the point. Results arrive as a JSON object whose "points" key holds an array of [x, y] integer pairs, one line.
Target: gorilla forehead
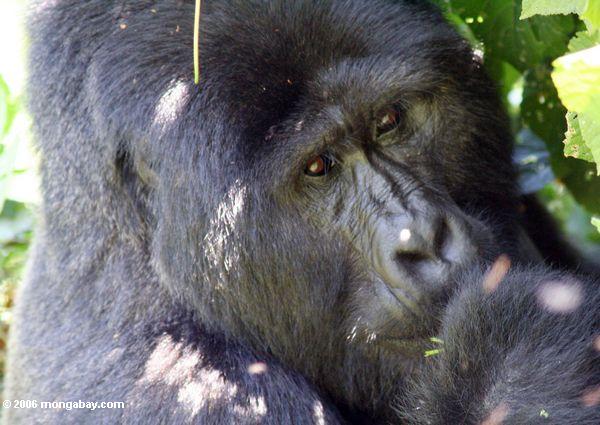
{"points": [[347, 53]]}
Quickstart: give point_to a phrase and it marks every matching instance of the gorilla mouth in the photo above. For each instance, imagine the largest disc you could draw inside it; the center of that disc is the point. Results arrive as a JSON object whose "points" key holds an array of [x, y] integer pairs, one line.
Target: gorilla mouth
{"points": [[405, 319], [405, 300], [414, 347]]}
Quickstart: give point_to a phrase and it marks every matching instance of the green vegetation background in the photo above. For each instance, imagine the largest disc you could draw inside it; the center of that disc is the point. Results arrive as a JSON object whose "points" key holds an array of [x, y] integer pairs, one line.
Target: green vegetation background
{"points": [[543, 65]]}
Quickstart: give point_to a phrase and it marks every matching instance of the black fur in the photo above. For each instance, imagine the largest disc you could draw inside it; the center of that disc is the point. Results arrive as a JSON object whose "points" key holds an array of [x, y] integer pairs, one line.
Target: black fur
{"points": [[507, 357], [186, 266]]}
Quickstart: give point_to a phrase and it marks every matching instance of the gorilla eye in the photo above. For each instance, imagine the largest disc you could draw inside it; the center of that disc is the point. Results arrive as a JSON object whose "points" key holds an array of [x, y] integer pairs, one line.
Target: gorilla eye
{"points": [[388, 121], [319, 165]]}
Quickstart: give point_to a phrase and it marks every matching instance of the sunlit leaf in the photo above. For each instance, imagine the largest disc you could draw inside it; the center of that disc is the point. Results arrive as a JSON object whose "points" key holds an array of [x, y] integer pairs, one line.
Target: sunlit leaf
{"points": [[551, 7], [4, 106], [574, 144], [577, 79], [596, 222], [584, 40], [591, 16]]}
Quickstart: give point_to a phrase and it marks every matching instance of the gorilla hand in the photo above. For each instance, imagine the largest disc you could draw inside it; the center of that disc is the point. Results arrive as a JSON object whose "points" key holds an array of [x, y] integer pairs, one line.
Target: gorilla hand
{"points": [[526, 352]]}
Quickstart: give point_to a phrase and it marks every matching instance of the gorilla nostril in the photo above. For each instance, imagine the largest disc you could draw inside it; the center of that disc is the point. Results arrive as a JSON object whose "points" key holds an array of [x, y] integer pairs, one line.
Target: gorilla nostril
{"points": [[415, 263], [412, 258]]}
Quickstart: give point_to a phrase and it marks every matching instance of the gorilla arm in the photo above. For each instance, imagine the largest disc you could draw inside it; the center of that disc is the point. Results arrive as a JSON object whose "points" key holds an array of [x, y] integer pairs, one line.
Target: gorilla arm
{"points": [[525, 352], [206, 385]]}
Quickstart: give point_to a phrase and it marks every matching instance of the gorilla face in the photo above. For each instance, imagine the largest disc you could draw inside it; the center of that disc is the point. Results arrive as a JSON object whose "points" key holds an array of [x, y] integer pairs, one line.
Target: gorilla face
{"points": [[370, 184], [323, 184]]}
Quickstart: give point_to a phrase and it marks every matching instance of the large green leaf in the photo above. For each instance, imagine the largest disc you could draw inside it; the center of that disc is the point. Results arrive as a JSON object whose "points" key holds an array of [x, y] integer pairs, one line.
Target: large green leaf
{"points": [[577, 78], [544, 114], [551, 7], [588, 10], [591, 15]]}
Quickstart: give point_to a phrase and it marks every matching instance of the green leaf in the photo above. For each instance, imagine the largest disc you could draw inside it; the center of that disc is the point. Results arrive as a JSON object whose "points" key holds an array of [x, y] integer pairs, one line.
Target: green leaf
{"points": [[551, 7], [4, 106], [574, 143], [584, 40], [589, 122], [506, 38], [544, 114], [8, 108], [596, 222], [577, 79], [591, 16]]}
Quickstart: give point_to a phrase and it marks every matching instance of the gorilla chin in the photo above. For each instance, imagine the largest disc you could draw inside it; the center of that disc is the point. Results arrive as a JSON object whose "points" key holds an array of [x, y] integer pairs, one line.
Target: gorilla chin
{"points": [[279, 244]]}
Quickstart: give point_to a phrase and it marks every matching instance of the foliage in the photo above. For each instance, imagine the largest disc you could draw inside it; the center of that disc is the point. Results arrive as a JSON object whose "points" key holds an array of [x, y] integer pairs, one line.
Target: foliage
{"points": [[596, 222], [577, 78], [18, 184], [16, 225], [16, 220], [548, 70]]}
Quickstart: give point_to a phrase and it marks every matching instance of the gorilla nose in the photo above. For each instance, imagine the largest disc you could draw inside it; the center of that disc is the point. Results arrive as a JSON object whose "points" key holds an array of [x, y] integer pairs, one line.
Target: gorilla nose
{"points": [[424, 240], [421, 252], [427, 248]]}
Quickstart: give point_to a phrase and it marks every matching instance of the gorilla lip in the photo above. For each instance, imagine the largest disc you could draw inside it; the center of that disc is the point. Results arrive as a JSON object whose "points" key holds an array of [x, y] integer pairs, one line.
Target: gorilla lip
{"points": [[399, 307]]}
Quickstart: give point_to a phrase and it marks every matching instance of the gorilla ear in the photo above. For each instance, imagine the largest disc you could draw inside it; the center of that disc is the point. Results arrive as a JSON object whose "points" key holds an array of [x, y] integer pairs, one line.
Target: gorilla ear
{"points": [[134, 165], [137, 178]]}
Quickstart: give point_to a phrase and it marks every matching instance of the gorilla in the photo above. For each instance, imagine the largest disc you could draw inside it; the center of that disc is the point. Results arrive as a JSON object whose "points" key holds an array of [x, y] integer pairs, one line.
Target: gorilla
{"points": [[326, 230]]}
